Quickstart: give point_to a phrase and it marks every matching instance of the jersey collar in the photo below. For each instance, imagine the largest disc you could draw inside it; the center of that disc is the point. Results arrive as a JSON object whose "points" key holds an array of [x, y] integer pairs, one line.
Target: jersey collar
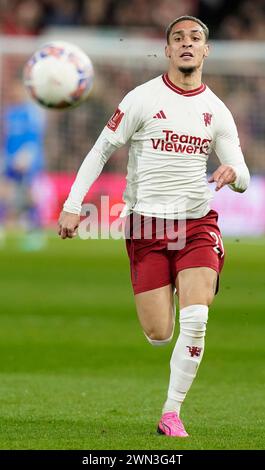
{"points": [[180, 91]]}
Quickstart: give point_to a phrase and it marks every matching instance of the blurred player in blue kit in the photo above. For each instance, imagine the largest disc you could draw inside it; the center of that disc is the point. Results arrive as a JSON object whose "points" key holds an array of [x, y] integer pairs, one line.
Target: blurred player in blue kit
{"points": [[22, 163]]}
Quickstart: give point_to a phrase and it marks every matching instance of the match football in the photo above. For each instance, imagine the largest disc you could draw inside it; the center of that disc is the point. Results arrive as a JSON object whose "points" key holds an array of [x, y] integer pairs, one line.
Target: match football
{"points": [[59, 75]]}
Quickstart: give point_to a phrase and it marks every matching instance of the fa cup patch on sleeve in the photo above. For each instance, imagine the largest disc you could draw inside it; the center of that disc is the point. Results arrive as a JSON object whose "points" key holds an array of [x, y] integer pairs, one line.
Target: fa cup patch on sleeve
{"points": [[115, 120]]}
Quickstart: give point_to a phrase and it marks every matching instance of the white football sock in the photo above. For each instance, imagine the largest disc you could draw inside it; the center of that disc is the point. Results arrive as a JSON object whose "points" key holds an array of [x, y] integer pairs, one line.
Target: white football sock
{"points": [[187, 354]]}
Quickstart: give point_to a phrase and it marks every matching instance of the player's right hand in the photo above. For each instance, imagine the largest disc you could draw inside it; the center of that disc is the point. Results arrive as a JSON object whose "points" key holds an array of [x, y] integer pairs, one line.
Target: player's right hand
{"points": [[68, 224], [225, 174]]}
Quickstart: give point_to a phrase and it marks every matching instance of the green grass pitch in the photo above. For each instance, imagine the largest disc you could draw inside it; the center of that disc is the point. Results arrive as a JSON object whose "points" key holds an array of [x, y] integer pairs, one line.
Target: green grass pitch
{"points": [[77, 372]]}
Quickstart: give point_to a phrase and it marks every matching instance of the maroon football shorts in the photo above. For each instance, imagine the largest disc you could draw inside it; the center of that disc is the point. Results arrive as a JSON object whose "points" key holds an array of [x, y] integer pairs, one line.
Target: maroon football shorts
{"points": [[157, 254]]}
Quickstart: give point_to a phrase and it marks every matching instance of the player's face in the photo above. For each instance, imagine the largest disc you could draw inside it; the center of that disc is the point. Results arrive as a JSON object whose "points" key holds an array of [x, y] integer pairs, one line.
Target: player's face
{"points": [[187, 47]]}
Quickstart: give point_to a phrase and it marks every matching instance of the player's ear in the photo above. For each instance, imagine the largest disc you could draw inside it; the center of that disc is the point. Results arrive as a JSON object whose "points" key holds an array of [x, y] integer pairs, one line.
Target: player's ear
{"points": [[206, 50], [167, 53]]}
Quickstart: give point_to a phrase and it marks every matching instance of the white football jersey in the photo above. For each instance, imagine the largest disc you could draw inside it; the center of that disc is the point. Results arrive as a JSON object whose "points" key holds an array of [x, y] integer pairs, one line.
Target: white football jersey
{"points": [[171, 133]]}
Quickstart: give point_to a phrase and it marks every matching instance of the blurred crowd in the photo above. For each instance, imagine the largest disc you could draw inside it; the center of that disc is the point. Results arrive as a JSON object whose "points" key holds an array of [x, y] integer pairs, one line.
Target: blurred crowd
{"points": [[237, 19]]}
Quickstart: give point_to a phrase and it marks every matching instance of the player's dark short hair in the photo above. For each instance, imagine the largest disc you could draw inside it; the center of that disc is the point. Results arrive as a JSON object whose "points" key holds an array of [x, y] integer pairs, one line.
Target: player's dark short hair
{"points": [[184, 18]]}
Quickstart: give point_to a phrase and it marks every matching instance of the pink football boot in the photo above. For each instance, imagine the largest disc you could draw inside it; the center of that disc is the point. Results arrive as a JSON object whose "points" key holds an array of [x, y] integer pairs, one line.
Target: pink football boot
{"points": [[171, 425]]}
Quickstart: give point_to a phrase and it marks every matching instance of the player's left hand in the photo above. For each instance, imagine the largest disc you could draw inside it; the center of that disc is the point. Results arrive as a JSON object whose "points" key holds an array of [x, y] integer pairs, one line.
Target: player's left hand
{"points": [[225, 174]]}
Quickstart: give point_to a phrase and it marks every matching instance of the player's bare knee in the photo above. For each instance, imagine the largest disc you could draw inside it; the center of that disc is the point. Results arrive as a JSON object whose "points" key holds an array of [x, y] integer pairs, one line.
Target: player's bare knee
{"points": [[191, 297]]}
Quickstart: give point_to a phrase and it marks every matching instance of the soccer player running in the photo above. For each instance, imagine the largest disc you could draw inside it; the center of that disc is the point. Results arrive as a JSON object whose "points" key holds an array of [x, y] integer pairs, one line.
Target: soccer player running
{"points": [[173, 123]]}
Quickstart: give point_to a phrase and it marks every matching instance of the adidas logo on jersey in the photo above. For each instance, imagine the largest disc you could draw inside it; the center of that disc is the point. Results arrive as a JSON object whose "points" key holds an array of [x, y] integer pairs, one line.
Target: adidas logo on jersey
{"points": [[160, 115]]}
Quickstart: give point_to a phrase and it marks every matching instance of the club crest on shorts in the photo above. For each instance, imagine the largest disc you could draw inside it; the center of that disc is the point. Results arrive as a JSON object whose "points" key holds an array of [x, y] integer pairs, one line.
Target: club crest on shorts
{"points": [[207, 119]]}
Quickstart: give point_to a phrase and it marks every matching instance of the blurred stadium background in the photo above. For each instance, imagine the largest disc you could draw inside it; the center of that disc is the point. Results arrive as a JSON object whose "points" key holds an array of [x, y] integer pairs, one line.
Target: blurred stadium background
{"points": [[56, 329]]}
